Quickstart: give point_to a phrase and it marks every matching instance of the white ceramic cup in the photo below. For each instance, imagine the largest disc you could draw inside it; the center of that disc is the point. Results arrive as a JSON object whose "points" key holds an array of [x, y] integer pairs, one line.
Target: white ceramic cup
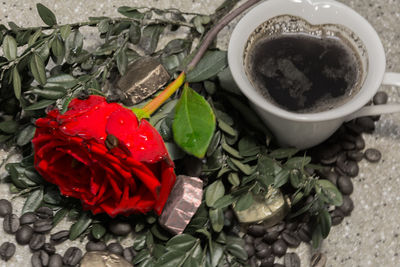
{"points": [[304, 130]]}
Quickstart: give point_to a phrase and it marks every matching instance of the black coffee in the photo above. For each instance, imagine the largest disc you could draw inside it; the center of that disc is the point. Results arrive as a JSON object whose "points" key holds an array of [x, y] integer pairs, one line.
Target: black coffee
{"points": [[303, 73]]}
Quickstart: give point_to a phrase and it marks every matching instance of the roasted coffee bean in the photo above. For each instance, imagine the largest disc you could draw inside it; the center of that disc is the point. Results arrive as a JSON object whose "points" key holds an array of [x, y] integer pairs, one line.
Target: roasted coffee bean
{"points": [[256, 230], [348, 145], [366, 123], [59, 237], [291, 260], [354, 128], [10, 223], [279, 248], [24, 234], [360, 143], [329, 161], [337, 216], [115, 248], [304, 233], [44, 213], [268, 261], [5, 207], [248, 239], [72, 256], [253, 262], [347, 206], [43, 225], [37, 241], [263, 250], [345, 185], [120, 228], [329, 151], [291, 226], [380, 98], [7, 250], [49, 248], [56, 261], [318, 260], [28, 218], [350, 168], [96, 246], [346, 136], [339, 171], [129, 254], [277, 228], [291, 239], [271, 237], [355, 155], [257, 241], [40, 258], [332, 177], [249, 249], [372, 155], [278, 265]]}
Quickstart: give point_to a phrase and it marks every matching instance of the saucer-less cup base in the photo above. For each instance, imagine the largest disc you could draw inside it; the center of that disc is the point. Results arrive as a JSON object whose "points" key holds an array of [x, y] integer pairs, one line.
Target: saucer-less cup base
{"points": [[309, 129]]}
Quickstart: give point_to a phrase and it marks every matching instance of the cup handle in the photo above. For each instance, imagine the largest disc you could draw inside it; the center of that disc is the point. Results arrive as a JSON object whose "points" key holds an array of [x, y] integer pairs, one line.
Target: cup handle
{"points": [[390, 78]]}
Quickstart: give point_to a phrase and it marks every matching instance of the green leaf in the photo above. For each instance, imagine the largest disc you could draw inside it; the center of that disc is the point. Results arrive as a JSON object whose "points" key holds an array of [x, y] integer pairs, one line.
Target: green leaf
{"points": [[58, 49], [59, 216], [224, 201], [8, 126], [248, 147], [33, 201], [150, 36], [16, 176], [134, 33], [325, 222], [34, 37], [65, 80], [142, 256], [231, 151], [214, 192], [233, 178], [130, 12], [26, 135], [52, 92], [181, 242], [40, 104], [74, 42], [16, 82], [37, 68], [65, 31], [98, 231], [316, 237], [295, 178], [281, 178], [122, 61], [331, 192], [46, 15], [10, 47], [210, 65], [297, 162], [282, 153], [226, 128], [217, 219], [104, 25], [245, 168], [140, 242], [159, 232], [244, 202], [194, 123], [235, 246], [85, 219]]}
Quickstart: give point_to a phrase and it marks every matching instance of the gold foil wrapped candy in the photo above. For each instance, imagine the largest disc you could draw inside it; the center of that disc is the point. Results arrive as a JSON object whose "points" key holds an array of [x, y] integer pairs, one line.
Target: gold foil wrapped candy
{"points": [[103, 259]]}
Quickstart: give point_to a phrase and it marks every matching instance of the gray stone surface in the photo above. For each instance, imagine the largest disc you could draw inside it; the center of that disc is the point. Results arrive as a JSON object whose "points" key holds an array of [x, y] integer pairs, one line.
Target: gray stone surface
{"points": [[370, 237]]}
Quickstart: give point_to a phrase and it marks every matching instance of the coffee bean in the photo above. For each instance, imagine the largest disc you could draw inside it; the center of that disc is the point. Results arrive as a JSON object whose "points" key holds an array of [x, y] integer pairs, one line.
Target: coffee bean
{"points": [[248, 239], [278, 265], [355, 155], [24, 235], [5, 207], [350, 168], [28, 218], [7, 250], [55, 261], [249, 249], [257, 241], [49, 248], [337, 216], [291, 260], [354, 128], [10, 223], [304, 233], [339, 171], [120, 228], [348, 145], [279, 248], [345, 185], [347, 206], [37, 241], [263, 250], [43, 225], [380, 98], [277, 228], [72, 256], [59, 237], [329, 161], [366, 123], [332, 177], [96, 246], [40, 258], [44, 213], [268, 261], [372, 155], [271, 237], [291, 239], [253, 262], [261, 246], [318, 260], [291, 226], [256, 230], [115, 248], [129, 254], [360, 143]]}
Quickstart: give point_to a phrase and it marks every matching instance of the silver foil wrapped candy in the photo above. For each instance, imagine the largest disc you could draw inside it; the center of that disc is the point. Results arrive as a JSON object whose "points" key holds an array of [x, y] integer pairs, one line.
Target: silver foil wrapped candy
{"points": [[103, 259]]}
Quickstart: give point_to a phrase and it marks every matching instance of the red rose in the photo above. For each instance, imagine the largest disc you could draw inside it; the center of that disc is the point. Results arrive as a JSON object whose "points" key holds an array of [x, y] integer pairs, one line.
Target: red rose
{"points": [[101, 154]]}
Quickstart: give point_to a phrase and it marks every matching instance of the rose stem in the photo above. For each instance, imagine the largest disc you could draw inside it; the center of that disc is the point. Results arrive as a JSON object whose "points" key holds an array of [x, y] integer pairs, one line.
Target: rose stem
{"points": [[154, 104]]}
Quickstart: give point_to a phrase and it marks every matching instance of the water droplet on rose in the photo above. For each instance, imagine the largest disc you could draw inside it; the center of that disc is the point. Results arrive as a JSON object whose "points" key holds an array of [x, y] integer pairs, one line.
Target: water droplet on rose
{"points": [[141, 148], [64, 128], [121, 121], [128, 144]]}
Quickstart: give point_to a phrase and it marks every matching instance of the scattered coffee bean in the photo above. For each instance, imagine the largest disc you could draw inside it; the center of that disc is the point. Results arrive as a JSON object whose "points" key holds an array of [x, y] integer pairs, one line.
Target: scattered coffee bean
{"points": [[129, 254], [271, 237], [49, 248], [304, 233], [372, 155], [345, 185], [7, 250], [348, 145], [291, 226], [329, 161], [253, 262], [96, 246], [40, 258], [5, 207], [72, 256], [43, 225], [268, 261], [349, 167], [256, 230], [257, 241], [59, 237], [277, 228], [355, 155], [347, 206], [318, 260], [278, 265], [360, 143], [249, 249], [44, 213], [248, 239], [380, 98], [337, 216], [279, 248], [37, 241], [55, 261], [330, 151], [28, 218], [120, 228], [292, 260], [263, 250], [24, 235], [366, 123], [10, 223], [115, 248], [354, 128], [291, 239]]}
